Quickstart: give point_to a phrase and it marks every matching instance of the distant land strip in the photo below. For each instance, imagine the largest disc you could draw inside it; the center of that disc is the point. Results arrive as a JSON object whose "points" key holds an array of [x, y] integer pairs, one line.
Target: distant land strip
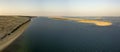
{"points": [[92, 21]]}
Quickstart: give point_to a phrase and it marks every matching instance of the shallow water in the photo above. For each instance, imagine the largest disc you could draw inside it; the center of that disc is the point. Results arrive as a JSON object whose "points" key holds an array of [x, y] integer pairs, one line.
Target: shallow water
{"points": [[49, 35]]}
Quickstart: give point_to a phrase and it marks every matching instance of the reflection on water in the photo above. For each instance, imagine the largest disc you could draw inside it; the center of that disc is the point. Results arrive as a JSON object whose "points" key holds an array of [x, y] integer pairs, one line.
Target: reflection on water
{"points": [[49, 35]]}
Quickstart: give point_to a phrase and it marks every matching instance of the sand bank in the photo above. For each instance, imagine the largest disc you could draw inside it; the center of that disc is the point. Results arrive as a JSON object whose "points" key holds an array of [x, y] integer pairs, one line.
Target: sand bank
{"points": [[96, 22]]}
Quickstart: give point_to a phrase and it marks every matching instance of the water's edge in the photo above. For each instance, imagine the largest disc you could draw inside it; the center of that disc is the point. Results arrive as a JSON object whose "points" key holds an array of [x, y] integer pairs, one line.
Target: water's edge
{"points": [[14, 35]]}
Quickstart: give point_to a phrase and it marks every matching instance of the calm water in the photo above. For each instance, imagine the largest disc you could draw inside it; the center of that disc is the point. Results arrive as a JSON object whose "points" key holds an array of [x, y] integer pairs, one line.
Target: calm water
{"points": [[49, 35]]}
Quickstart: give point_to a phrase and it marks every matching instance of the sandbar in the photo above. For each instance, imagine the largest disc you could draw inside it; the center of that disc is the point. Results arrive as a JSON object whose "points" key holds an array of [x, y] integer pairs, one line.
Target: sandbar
{"points": [[96, 22]]}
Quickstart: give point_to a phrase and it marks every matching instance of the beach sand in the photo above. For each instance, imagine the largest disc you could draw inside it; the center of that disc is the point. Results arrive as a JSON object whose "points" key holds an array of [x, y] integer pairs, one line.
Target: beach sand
{"points": [[96, 22]]}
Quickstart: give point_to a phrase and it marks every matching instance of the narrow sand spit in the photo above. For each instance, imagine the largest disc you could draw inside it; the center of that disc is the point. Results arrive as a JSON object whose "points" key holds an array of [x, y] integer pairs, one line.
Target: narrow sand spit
{"points": [[96, 22]]}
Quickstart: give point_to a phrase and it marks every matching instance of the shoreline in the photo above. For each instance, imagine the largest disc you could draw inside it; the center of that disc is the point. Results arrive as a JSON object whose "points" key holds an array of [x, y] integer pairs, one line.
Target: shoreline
{"points": [[95, 22], [12, 31], [13, 35]]}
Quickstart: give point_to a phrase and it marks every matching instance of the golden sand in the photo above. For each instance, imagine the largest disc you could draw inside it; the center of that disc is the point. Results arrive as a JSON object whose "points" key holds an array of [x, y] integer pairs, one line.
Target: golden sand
{"points": [[96, 22]]}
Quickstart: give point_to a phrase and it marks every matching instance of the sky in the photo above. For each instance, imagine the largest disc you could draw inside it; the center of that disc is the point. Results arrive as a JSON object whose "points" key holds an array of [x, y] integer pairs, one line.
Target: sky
{"points": [[60, 7]]}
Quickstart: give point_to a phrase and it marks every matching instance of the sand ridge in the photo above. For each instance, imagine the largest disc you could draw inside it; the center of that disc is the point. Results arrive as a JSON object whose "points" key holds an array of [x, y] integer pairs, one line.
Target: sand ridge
{"points": [[96, 22]]}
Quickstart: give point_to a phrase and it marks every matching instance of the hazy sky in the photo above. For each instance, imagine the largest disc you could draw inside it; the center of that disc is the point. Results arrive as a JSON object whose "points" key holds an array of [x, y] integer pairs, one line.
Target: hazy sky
{"points": [[60, 7]]}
